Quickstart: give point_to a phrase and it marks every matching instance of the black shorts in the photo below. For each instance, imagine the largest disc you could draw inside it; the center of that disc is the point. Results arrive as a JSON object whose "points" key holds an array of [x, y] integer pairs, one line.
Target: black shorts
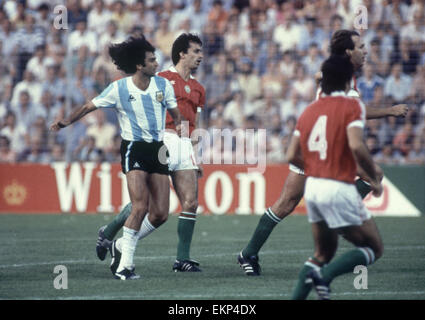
{"points": [[151, 157]]}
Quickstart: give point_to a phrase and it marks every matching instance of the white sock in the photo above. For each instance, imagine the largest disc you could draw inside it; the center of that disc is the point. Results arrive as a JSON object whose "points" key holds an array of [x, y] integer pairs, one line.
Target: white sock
{"points": [[146, 229], [128, 246]]}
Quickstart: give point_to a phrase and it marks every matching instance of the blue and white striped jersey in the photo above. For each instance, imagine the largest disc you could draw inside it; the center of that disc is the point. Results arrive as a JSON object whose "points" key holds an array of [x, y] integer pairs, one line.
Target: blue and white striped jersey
{"points": [[141, 114]]}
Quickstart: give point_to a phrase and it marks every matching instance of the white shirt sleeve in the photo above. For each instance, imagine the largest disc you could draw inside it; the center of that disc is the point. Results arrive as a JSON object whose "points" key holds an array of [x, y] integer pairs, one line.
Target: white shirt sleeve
{"points": [[108, 97], [170, 97]]}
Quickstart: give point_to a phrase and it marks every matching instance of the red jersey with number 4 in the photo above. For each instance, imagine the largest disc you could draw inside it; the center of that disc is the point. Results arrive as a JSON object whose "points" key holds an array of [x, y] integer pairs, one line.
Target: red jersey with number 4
{"points": [[190, 96], [322, 129]]}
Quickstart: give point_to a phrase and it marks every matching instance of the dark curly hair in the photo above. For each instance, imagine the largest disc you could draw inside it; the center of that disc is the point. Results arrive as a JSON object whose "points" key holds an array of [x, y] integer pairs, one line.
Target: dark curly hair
{"points": [[342, 40], [130, 53], [182, 44], [337, 71]]}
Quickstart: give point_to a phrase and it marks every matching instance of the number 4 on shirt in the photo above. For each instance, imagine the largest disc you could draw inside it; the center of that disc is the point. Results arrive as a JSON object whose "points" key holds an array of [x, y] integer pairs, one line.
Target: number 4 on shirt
{"points": [[317, 139]]}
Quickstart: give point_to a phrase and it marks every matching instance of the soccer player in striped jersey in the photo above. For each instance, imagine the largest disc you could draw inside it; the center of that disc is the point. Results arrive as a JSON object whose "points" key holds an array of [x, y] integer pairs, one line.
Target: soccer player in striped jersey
{"points": [[141, 101], [344, 43], [328, 143], [190, 94]]}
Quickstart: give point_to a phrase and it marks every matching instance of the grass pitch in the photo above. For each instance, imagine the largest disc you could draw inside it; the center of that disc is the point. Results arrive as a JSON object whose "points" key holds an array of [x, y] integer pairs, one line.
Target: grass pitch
{"points": [[32, 245]]}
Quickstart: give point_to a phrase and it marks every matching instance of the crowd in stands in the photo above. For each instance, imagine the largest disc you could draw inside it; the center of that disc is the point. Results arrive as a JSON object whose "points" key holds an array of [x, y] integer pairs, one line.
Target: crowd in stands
{"points": [[260, 58]]}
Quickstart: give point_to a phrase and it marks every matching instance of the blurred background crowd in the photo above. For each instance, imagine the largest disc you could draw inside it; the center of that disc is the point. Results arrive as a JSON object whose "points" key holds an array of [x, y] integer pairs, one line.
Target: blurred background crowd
{"points": [[260, 58]]}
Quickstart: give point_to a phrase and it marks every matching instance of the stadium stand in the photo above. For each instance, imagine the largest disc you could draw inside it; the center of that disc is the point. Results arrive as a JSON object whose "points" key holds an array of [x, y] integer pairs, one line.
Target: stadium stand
{"points": [[260, 58]]}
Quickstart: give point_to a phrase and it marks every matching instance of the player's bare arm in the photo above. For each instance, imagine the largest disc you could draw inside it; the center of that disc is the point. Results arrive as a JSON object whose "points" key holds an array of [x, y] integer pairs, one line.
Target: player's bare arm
{"points": [[74, 116], [293, 154], [363, 158], [398, 110], [175, 114]]}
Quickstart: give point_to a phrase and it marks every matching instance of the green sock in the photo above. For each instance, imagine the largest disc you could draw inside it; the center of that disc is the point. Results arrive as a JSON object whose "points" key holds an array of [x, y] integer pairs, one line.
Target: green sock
{"points": [[264, 228], [185, 228], [363, 188], [115, 225], [346, 263], [303, 288]]}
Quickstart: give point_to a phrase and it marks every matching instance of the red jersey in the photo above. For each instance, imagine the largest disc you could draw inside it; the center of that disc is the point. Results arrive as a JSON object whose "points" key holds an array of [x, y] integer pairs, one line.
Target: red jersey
{"points": [[322, 129], [190, 96]]}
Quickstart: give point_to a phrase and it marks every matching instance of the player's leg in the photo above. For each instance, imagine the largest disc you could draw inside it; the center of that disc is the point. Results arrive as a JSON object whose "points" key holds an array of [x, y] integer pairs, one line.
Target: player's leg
{"points": [[107, 233], [137, 183], [369, 248], [185, 184], [325, 246], [290, 196]]}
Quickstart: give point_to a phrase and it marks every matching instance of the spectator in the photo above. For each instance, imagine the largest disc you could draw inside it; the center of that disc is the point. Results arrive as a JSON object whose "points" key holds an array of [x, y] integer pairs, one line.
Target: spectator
{"points": [[313, 60], [417, 90], [304, 86], [112, 35], [82, 37], [6, 153], [82, 86], [372, 144], [76, 13], [98, 17], [39, 63], [36, 153], [288, 34], [123, 17], [218, 16], [397, 85], [368, 83], [404, 138], [26, 110], [164, 37], [53, 83], [416, 154], [287, 65], [15, 132], [43, 18], [28, 38], [311, 34], [57, 153], [30, 85], [88, 151], [102, 131], [407, 56], [234, 112], [272, 81], [249, 82], [388, 155]]}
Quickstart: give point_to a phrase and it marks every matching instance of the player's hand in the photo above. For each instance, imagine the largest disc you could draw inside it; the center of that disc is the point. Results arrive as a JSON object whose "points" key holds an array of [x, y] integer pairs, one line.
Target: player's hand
{"points": [[399, 110], [376, 188], [57, 125], [200, 171]]}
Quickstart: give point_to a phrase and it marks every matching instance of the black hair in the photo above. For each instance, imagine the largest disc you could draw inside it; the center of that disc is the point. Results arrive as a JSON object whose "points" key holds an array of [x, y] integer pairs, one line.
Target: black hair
{"points": [[342, 40], [130, 53], [337, 71], [182, 44]]}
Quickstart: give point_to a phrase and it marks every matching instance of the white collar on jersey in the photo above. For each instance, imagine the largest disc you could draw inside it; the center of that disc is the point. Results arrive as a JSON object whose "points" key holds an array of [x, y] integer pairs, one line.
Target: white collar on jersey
{"points": [[334, 94], [173, 69]]}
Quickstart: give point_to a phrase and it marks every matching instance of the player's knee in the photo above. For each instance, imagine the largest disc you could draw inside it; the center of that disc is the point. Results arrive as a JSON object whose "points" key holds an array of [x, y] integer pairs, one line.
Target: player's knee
{"points": [[285, 205], [190, 205], [158, 219]]}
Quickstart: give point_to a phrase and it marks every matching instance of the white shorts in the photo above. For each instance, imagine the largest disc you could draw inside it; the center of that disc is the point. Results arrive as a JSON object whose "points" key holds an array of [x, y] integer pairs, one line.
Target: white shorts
{"points": [[296, 169], [180, 150], [336, 202]]}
